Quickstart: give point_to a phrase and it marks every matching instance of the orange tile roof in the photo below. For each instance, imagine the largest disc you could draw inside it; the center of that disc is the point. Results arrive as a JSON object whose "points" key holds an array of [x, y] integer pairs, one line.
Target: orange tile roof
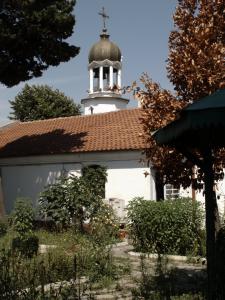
{"points": [[119, 130]]}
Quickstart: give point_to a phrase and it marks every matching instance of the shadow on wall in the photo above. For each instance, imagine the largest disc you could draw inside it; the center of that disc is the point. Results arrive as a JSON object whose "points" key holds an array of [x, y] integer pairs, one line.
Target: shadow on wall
{"points": [[54, 142]]}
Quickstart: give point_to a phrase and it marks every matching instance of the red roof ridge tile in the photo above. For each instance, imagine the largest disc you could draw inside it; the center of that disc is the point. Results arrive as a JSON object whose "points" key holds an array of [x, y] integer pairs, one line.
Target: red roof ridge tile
{"points": [[77, 116]]}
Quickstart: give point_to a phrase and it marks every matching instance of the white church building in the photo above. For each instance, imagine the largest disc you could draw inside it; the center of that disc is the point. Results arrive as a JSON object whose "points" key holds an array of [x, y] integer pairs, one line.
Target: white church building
{"points": [[34, 154]]}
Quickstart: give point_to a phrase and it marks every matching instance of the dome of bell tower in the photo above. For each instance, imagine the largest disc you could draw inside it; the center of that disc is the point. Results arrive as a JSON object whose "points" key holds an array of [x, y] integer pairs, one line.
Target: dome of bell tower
{"points": [[104, 49]]}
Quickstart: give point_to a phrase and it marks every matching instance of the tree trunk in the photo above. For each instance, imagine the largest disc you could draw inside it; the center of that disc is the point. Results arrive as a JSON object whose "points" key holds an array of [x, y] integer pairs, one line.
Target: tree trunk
{"points": [[159, 187], [212, 223]]}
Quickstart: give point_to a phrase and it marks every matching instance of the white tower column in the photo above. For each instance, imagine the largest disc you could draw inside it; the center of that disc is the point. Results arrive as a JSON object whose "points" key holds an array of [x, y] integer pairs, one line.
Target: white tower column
{"points": [[111, 77], [91, 81], [119, 82], [101, 78]]}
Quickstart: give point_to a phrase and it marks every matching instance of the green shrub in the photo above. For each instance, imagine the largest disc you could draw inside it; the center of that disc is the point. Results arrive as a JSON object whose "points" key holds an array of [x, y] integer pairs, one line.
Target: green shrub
{"points": [[22, 217], [68, 201], [27, 246], [21, 277], [25, 242], [87, 259], [104, 225], [3, 226], [169, 227], [96, 177]]}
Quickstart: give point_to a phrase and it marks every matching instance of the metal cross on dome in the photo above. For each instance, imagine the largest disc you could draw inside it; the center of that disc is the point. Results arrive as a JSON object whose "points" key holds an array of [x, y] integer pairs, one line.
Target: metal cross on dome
{"points": [[104, 16]]}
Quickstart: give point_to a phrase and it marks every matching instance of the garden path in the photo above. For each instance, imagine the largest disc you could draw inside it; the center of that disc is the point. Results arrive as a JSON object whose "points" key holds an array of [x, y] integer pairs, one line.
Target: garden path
{"points": [[178, 274]]}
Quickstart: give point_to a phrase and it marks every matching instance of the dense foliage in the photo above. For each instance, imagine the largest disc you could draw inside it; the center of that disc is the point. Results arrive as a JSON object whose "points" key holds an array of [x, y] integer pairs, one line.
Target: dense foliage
{"points": [[96, 178], [25, 278], [22, 217], [68, 201], [42, 102], [73, 200], [196, 69], [104, 225], [33, 37], [25, 242], [3, 226], [168, 227]]}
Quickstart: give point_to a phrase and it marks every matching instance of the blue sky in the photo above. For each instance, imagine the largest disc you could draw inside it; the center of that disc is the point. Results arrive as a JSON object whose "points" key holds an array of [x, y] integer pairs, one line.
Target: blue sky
{"points": [[140, 29]]}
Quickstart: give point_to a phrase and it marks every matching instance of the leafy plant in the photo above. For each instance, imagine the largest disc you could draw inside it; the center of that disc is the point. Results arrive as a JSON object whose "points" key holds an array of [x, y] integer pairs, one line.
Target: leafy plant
{"points": [[52, 203], [26, 279], [68, 201], [104, 225], [3, 226], [74, 199], [23, 217], [169, 227], [81, 258], [27, 246], [162, 282], [96, 177], [22, 221], [82, 202]]}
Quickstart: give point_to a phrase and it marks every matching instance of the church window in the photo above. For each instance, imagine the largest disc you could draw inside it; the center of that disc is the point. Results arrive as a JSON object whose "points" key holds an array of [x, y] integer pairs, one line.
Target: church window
{"points": [[171, 192]]}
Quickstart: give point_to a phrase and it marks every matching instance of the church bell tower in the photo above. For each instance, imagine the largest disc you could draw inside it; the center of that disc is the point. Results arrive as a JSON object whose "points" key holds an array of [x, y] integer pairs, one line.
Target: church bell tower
{"points": [[105, 68]]}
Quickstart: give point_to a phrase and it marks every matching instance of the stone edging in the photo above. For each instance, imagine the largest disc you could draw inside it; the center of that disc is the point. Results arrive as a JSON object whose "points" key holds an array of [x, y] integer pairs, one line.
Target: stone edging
{"points": [[180, 258]]}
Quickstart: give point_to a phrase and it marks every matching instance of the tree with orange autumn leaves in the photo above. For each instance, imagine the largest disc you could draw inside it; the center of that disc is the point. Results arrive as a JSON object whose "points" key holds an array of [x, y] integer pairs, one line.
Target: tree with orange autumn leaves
{"points": [[196, 68]]}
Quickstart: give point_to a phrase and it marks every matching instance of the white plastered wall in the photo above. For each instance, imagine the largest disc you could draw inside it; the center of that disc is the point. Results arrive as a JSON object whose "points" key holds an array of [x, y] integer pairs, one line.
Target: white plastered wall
{"points": [[126, 180], [27, 176], [29, 180], [102, 105]]}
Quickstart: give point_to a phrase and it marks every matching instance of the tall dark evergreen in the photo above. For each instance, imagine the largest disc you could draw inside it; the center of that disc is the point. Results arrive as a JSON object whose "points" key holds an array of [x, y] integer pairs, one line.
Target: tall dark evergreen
{"points": [[33, 37], [42, 102]]}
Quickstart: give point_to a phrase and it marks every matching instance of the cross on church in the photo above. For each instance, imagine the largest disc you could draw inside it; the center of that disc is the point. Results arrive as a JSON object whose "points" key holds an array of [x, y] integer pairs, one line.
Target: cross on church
{"points": [[104, 16]]}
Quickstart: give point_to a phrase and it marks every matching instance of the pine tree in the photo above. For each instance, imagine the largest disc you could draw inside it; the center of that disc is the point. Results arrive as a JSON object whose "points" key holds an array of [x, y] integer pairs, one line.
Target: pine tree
{"points": [[32, 37]]}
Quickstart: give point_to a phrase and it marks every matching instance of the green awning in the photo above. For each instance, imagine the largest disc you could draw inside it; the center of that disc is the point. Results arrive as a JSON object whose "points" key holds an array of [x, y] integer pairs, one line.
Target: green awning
{"points": [[200, 124]]}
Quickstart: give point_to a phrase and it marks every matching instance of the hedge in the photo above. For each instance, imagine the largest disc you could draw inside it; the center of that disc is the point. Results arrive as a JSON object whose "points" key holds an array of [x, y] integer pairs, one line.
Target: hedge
{"points": [[166, 227]]}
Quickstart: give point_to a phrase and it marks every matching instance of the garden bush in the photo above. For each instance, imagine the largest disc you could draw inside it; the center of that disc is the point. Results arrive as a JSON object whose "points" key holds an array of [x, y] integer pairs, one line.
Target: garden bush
{"points": [[95, 177], [22, 218], [68, 202], [22, 278], [27, 246], [3, 226], [22, 275], [169, 227], [104, 225]]}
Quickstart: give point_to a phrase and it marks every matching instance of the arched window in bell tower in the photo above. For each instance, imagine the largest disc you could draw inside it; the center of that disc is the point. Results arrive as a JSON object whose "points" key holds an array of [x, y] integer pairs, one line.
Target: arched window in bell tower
{"points": [[95, 80], [106, 79]]}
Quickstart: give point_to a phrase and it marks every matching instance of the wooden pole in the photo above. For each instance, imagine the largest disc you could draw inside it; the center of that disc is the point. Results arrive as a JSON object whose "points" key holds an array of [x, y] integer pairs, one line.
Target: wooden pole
{"points": [[212, 223]]}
